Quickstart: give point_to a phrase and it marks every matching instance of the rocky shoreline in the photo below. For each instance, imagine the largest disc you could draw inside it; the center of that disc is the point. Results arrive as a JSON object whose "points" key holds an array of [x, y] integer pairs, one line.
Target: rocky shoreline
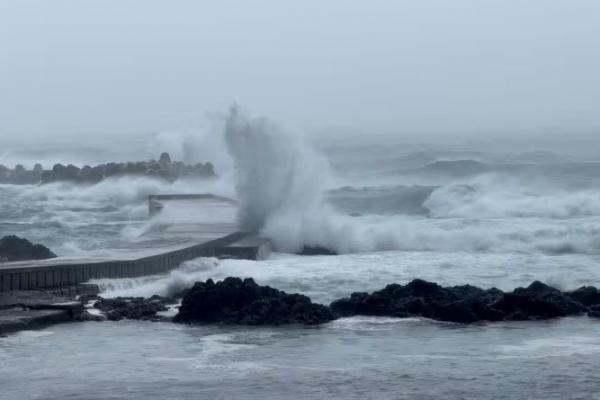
{"points": [[236, 301], [14, 248], [468, 304], [164, 168]]}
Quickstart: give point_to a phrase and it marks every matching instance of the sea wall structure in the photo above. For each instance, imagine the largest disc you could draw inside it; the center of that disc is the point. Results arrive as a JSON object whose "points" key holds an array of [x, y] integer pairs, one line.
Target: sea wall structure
{"points": [[156, 201], [38, 293], [54, 275], [164, 168]]}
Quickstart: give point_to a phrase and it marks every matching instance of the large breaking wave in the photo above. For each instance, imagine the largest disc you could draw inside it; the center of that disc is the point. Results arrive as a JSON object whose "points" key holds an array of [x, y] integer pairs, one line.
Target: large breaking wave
{"points": [[282, 185], [289, 193], [277, 173]]}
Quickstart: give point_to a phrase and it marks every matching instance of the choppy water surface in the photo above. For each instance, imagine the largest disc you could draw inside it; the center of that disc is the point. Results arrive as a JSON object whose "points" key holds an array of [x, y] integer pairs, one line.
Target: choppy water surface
{"points": [[356, 358], [504, 226]]}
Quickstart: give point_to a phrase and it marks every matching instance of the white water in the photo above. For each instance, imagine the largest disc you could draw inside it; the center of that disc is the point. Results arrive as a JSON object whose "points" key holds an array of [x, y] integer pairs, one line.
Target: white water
{"points": [[326, 278], [281, 183], [499, 229], [277, 174]]}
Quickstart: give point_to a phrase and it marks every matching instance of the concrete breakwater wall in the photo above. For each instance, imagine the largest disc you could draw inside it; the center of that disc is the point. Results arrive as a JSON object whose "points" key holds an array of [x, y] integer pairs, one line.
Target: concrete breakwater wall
{"points": [[155, 204], [164, 168], [43, 276]]}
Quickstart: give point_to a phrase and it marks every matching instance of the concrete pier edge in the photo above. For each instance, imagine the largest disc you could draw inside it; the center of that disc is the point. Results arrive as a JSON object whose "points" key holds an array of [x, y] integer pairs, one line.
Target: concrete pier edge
{"points": [[42, 276]]}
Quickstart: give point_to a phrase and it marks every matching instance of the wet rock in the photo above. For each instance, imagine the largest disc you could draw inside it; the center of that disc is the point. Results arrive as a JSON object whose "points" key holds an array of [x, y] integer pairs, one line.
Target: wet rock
{"points": [[14, 248], [86, 298], [586, 295], [133, 307], [538, 301], [243, 302], [89, 317], [594, 311], [178, 295], [316, 251], [421, 298], [464, 304]]}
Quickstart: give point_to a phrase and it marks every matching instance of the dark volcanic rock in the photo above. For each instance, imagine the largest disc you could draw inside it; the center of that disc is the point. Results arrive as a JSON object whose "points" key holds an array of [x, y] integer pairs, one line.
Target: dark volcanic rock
{"points": [[14, 248], [463, 304], [594, 311], [233, 301], [133, 307], [586, 295], [316, 251], [421, 298], [538, 301]]}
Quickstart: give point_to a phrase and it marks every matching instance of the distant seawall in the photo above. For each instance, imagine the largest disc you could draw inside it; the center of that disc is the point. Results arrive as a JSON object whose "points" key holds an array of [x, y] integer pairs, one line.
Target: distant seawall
{"points": [[155, 205], [49, 277]]}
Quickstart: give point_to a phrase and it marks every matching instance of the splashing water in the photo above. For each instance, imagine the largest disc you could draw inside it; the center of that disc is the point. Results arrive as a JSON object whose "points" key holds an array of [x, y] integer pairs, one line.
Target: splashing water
{"points": [[276, 172], [281, 184]]}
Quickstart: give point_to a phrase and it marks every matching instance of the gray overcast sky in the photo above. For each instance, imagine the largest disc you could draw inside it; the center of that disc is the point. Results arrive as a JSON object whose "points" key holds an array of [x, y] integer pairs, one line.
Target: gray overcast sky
{"points": [[436, 66]]}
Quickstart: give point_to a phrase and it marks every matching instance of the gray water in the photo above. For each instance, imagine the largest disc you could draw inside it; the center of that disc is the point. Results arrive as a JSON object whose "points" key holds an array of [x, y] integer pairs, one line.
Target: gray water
{"points": [[356, 358], [394, 219]]}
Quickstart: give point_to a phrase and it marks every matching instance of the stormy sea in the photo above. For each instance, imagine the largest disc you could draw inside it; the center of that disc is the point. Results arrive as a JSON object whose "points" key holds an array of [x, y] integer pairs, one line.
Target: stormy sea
{"points": [[392, 213]]}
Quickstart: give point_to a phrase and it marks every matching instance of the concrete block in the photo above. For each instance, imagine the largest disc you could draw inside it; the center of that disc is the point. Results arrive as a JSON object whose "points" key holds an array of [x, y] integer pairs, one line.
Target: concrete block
{"points": [[72, 276], [15, 282], [24, 281], [32, 279], [40, 280], [48, 279]]}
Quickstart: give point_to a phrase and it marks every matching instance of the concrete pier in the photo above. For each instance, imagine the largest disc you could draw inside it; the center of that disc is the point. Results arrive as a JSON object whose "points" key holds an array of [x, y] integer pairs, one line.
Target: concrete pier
{"points": [[53, 275], [31, 309], [247, 248], [155, 201], [34, 294]]}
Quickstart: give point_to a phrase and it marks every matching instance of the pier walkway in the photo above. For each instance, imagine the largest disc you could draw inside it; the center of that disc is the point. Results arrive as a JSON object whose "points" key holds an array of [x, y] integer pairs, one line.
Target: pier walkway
{"points": [[175, 237]]}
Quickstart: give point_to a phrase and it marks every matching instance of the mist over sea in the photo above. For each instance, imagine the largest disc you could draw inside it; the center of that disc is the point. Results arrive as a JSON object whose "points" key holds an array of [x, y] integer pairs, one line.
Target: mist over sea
{"points": [[446, 213], [454, 141]]}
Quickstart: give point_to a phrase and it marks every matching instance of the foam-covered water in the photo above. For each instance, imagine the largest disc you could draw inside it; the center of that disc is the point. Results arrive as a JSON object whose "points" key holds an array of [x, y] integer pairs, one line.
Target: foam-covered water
{"points": [[325, 278], [80, 221], [498, 220], [355, 358]]}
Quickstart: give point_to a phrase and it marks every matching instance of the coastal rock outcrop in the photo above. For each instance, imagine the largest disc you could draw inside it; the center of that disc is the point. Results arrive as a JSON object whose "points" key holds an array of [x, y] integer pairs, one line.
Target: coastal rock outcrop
{"points": [[421, 298], [243, 302], [586, 295], [464, 304], [538, 301], [316, 251], [14, 248], [139, 308]]}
